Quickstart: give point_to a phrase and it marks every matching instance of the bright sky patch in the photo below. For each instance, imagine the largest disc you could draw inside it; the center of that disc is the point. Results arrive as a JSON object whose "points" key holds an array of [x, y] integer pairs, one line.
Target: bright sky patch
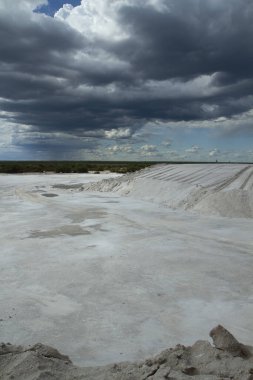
{"points": [[54, 5]]}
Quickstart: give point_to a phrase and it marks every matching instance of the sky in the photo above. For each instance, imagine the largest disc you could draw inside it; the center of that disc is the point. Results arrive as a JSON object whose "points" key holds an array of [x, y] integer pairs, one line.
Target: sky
{"points": [[154, 80]]}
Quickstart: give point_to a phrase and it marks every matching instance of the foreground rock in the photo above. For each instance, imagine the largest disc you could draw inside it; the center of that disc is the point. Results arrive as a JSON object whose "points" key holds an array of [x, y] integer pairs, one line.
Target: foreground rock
{"points": [[229, 359]]}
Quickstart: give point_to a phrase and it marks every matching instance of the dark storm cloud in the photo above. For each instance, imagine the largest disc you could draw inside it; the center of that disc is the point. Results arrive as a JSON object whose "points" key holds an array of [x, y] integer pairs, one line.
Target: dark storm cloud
{"points": [[53, 78], [191, 37], [28, 42]]}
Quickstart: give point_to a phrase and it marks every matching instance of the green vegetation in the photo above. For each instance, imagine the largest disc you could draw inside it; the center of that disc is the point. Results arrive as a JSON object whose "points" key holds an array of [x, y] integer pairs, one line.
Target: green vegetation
{"points": [[16, 167]]}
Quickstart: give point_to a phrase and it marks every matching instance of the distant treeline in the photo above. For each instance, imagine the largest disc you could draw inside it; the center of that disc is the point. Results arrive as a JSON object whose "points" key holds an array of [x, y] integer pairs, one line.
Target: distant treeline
{"points": [[15, 167]]}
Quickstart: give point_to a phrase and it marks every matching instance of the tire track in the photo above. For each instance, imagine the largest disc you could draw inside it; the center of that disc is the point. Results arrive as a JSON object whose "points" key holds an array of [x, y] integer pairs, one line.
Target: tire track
{"points": [[182, 175], [242, 187], [192, 178], [170, 177], [166, 170], [231, 180], [160, 173], [155, 172]]}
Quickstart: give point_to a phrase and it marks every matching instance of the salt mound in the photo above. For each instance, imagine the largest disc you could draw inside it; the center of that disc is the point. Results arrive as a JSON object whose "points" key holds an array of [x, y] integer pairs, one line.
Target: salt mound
{"points": [[228, 359], [233, 203], [219, 189]]}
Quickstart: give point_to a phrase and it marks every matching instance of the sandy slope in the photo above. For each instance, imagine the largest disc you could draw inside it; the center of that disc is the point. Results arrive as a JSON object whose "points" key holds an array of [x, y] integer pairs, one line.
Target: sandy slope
{"points": [[221, 189]]}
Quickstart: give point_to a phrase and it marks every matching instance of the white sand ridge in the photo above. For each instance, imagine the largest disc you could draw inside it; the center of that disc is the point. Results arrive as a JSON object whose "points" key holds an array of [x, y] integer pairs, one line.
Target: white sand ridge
{"points": [[221, 189]]}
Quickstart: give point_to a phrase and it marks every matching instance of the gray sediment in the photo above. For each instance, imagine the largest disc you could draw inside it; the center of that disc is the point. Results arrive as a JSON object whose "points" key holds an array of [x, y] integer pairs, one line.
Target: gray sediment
{"points": [[226, 359]]}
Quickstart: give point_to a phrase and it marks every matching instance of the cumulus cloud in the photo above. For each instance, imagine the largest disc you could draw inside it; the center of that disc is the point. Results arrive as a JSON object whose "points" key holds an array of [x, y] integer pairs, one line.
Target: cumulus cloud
{"points": [[120, 133], [194, 149], [167, 143], [100, 68], [148, 150], [65, 12], [214, 152], [115, 149]]}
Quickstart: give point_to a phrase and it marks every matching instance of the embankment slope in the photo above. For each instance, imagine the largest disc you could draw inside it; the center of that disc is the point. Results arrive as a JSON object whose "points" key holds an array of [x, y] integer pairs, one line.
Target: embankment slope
{"points": [[214, 189]]}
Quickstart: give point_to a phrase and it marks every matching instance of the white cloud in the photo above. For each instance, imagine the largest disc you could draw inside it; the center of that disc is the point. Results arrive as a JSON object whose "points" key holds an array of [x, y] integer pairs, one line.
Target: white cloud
{"points": [[148, 150], [115, 149], [64, 12], [194, 149], [94, 18], [167, 143], [118, 133], [214, 152]]}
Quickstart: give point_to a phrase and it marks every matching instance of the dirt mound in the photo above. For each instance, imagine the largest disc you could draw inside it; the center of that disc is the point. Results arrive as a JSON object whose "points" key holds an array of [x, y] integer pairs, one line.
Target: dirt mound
{"points": [[227, 359]]}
